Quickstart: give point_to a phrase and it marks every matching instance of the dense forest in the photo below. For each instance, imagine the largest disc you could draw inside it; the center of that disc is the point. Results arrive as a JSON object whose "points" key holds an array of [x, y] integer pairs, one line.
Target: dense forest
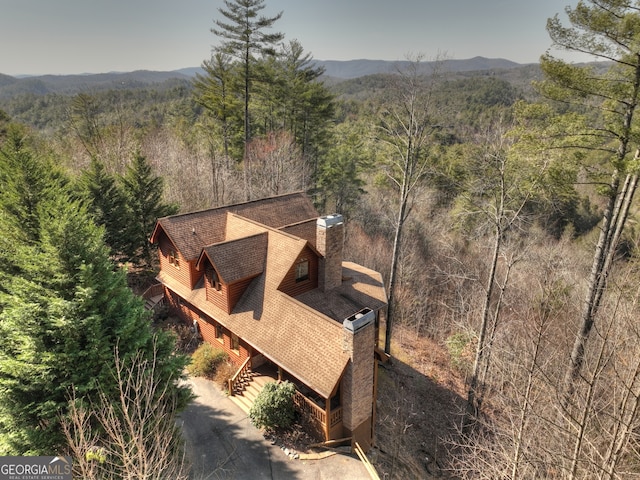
{"points": [[498, 205]]}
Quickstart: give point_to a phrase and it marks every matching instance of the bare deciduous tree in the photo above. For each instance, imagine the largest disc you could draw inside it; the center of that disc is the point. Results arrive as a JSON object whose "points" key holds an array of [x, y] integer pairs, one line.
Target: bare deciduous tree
{"points": [[129, 433], [407, 123], [274, 166]]}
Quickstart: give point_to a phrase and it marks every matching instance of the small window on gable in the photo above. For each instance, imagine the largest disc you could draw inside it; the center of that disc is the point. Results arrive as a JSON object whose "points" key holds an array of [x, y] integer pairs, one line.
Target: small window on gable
{"points": [[174, 259], [214, 280], [302, 270]]}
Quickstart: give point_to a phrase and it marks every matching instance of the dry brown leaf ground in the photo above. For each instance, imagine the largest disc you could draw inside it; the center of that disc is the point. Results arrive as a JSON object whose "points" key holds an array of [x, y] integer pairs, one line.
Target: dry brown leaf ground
{"points": [[420, 400]]}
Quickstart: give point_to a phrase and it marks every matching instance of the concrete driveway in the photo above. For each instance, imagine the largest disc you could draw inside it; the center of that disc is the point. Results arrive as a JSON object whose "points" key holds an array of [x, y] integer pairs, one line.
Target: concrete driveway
{"points": [[222, 443]]}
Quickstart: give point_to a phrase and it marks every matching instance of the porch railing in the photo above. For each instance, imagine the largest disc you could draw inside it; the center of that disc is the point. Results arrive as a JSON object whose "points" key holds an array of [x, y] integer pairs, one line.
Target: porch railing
{"points": [[335, 417], [316, 415], [155, 290], [309, 409], [153, 296], [239, 376]]}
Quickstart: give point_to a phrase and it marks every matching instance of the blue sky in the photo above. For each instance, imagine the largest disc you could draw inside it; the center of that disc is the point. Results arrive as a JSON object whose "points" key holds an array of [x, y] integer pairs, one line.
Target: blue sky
{"points": [[94, 36]]}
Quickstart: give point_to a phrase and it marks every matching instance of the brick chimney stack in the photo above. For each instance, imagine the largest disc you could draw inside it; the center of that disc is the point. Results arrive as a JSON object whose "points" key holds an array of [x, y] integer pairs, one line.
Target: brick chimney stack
{"points": [[329, 242], [358, 394]]}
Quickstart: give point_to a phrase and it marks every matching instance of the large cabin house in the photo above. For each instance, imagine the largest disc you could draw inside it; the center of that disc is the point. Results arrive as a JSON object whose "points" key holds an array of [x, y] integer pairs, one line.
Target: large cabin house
{"points": [[266, 281]]}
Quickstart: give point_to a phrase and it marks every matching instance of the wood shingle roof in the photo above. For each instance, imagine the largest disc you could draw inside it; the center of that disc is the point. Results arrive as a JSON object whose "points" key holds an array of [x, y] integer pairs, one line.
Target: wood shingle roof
{"points": [[191, 232], [237, 259], [262, 240]]}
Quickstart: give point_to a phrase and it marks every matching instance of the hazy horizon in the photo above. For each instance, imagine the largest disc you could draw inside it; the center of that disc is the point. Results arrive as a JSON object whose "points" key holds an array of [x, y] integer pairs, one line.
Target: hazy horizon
{"points": [[79, 37]]}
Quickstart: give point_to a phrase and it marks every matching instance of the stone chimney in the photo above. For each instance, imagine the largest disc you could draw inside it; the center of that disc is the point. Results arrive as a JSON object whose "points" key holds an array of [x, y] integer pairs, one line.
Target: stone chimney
{"points": [[329, 242], [357, 388]]}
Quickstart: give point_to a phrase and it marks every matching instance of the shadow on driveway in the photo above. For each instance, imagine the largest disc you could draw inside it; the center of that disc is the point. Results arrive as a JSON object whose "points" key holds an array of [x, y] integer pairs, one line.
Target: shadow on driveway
{"points": [[221, 443]]}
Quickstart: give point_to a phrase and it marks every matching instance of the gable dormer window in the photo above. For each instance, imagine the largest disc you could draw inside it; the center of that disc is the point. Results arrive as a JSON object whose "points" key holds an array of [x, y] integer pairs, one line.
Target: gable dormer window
{"points": [[302, 270], [214, 280], [174, 259]]}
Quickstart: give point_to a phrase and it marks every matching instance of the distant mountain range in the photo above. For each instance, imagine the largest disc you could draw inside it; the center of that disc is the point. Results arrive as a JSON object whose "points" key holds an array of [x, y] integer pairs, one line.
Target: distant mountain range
{"points": [[348, 69], [335, 69]]}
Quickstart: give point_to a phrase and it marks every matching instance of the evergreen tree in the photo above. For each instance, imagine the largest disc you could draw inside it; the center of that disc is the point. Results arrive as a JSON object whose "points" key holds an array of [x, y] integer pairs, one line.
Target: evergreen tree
{"points": [[108, 206], [63, 311], [25, 180], [216, 92], [293, 99], [144, 194], [242, 36], [339, 183], [5, 120]]}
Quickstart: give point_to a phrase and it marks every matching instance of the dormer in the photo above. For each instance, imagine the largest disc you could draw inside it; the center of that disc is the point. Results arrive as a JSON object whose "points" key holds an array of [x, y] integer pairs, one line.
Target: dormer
{"points": [[172, 261], [303, 273], [229, 267]]}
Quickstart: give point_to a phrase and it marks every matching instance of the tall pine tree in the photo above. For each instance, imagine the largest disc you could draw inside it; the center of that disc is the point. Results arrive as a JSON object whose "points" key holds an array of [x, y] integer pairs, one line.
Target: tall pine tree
{"points": [[610, 31], [243, 35]]}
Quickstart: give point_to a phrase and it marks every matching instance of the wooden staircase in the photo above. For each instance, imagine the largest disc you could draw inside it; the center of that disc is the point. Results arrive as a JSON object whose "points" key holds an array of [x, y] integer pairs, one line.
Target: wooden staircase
{"points": [[248, 389], [153, 296], [153, 302]]}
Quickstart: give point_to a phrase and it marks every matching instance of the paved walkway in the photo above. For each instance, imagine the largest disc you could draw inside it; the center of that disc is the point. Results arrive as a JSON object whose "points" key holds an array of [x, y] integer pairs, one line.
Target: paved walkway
{"points": [[222, 443]]}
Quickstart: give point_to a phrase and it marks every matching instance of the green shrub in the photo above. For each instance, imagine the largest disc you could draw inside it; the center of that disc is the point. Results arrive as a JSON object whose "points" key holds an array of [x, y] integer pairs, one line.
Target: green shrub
{"points": [[205, 360], [460, 347], [273, 407]]}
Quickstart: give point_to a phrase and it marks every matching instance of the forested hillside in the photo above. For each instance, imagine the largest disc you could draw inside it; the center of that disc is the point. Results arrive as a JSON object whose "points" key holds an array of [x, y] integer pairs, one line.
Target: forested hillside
{"points": [[498, 205]]}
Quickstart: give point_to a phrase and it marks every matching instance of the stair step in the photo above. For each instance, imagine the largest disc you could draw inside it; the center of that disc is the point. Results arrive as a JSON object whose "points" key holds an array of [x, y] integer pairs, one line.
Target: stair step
{"points": [[251, 393], [262, 380], [248, 388], [242, 402]]}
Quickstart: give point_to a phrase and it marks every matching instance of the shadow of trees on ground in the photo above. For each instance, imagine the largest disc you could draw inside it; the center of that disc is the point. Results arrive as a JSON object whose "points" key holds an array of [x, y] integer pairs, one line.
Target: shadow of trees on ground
{"points": [[222, 444], [417, 417]]}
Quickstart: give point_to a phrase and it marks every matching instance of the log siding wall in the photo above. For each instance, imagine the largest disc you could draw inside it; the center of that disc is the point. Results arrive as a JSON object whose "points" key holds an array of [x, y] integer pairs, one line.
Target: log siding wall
{"points": [[207, 328], [289, 284], [186, 272]]}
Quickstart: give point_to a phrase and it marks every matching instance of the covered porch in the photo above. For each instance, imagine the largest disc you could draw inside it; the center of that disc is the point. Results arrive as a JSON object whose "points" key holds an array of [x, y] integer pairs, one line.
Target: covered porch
{"points": [[324, 415]]}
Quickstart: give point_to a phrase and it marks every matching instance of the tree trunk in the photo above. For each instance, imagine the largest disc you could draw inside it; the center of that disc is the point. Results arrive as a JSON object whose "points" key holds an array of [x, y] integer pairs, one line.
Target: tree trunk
{"points": [[629, 408], [524, 414], [615, 217], [247, 135], [494, 323], [395, 260], [473, 399], [587, 408]]}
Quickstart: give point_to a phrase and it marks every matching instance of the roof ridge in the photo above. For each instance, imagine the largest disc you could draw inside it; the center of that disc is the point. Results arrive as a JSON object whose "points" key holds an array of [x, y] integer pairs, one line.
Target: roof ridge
{"points": [[222, 208], [239, 239], [267, 227]]}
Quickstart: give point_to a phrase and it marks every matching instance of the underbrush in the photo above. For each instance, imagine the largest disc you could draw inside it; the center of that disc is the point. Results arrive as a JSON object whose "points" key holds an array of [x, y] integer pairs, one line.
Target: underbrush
{"points": [[420, 397], [223, 374]]}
